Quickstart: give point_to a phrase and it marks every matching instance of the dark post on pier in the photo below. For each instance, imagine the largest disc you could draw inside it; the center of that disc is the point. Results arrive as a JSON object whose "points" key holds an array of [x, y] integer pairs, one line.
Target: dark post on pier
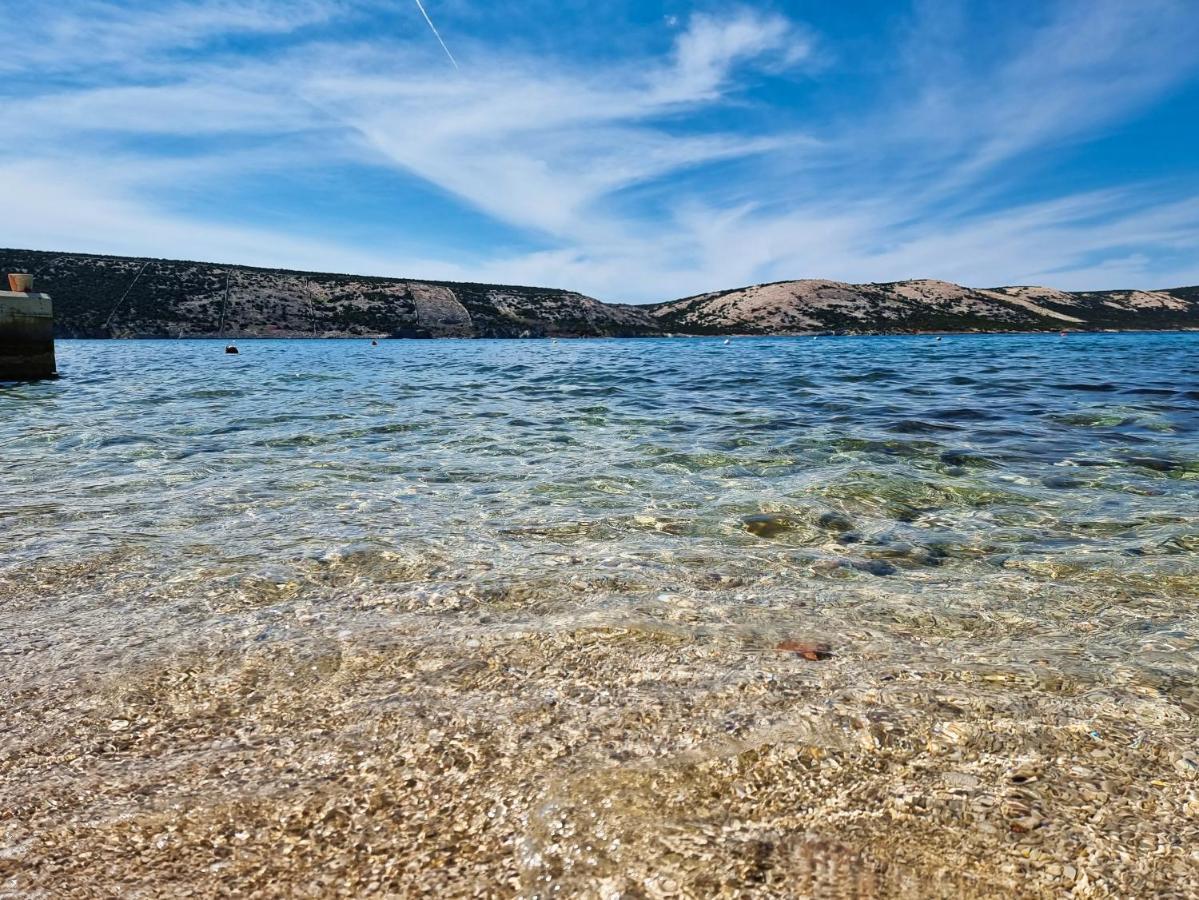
{"points": [[26, 332]]}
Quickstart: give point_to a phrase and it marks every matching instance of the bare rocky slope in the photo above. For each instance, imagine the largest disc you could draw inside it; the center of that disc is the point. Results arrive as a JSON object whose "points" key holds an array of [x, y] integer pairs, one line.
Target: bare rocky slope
{"points": [[790, 307], [112, 296]]}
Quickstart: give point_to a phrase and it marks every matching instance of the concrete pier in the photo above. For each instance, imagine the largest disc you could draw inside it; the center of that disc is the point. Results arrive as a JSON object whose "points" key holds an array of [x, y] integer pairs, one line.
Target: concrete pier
{"points": [[26, 336]]}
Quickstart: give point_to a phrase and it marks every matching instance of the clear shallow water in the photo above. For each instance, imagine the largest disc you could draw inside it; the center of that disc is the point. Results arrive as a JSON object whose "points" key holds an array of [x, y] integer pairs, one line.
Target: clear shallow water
{"points": [[975, 510], [930, 475]]}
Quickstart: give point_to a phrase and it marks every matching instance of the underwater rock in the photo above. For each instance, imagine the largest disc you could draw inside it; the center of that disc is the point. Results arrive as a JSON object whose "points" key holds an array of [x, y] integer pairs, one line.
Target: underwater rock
{"points": [[835, 521], [869, 566], [766, 524], [1060, 481], [918, 554], [961, 459], [874, 566], [1156, 463]]}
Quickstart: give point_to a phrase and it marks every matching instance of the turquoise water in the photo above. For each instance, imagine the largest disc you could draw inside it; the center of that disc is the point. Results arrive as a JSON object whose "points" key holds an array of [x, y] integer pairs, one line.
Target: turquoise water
{"points": [[1053, 477], [583, 613]]}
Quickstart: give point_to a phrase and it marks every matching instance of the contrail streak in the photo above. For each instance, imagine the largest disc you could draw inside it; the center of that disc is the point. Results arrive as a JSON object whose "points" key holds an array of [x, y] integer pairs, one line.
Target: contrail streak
{"points": [[436, 33]]}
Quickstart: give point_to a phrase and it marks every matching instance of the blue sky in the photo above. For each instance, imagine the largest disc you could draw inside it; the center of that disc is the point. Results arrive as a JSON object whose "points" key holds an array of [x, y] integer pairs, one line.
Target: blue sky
{"points": [[634, 151]]}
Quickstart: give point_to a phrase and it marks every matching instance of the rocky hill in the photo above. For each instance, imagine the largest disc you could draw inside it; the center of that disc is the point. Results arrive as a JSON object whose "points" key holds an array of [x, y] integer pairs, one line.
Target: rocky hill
{"points": [[790, 307], [112, 296]]}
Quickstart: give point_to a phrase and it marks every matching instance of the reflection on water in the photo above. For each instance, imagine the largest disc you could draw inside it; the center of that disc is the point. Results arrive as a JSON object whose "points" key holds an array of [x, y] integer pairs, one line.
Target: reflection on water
{"points": [[981, 527]]}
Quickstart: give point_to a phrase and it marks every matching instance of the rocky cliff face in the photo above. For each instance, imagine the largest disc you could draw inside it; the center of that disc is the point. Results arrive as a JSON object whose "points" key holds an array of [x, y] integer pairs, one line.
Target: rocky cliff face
{"points": [[110, 296], [790, 307]]}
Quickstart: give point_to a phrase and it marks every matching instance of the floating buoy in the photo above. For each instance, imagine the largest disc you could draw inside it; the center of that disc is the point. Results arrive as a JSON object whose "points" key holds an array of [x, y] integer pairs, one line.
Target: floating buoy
{"points": [[1063, 334], [229, 348], [938, 337], [726, 340], [374, 343]]}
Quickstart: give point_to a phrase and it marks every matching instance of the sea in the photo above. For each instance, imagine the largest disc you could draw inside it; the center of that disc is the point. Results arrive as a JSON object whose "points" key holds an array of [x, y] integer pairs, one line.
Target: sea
{"points": [[1012, 513]]}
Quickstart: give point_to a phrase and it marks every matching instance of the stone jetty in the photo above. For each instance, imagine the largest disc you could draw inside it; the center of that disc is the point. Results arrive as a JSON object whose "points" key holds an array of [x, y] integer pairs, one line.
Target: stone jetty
{"points": [[26, 332]]}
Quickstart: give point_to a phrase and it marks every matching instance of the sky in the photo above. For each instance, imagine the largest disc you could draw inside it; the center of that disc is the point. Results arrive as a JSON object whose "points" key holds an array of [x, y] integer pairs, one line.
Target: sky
{"points": [[634, 151]]}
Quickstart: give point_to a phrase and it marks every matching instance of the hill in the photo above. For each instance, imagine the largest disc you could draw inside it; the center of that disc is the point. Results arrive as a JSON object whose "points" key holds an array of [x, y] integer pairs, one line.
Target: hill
{"points": [[790, 307], [114, 296]]}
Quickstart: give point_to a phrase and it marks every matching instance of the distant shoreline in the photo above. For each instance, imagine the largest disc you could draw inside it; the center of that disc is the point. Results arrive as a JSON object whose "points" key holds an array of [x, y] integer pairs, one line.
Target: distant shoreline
{"points": [[119, 297], [638, 337]]}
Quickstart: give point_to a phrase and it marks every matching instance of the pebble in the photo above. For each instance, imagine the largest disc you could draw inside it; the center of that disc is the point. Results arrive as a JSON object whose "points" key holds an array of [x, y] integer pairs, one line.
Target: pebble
{"points": [[961, 781], [1024, 773], [955, 732], [810, 650], [1025, 824]]}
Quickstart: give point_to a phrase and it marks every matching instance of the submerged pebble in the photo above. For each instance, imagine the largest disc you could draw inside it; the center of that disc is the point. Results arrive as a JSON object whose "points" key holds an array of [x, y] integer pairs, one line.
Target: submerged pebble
{"points": [[809, 650]]}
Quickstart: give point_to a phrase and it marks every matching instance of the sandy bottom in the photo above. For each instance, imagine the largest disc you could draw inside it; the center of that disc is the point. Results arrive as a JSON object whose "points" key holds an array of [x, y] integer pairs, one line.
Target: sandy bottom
{"points": [[455, 754]]}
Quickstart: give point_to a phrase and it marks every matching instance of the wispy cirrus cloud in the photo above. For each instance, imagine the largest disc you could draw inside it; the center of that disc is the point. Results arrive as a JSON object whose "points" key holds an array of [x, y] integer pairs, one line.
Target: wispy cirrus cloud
{"points": [[1074, 70], [94, 34], [541, 148], [684, 165]]}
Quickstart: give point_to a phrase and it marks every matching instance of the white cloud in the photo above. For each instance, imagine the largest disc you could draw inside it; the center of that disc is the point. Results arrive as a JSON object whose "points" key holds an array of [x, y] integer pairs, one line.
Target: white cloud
{"points": [[63, 209], [709, 50], [1089, 64], [96, 34], [589, 159]]}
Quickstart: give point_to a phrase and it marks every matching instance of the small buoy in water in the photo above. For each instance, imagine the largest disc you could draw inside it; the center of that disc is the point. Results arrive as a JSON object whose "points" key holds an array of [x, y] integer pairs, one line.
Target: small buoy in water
{"points": [[938, 337], [374, 343], [726, 340], [1063, 334], [229, 348]]}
